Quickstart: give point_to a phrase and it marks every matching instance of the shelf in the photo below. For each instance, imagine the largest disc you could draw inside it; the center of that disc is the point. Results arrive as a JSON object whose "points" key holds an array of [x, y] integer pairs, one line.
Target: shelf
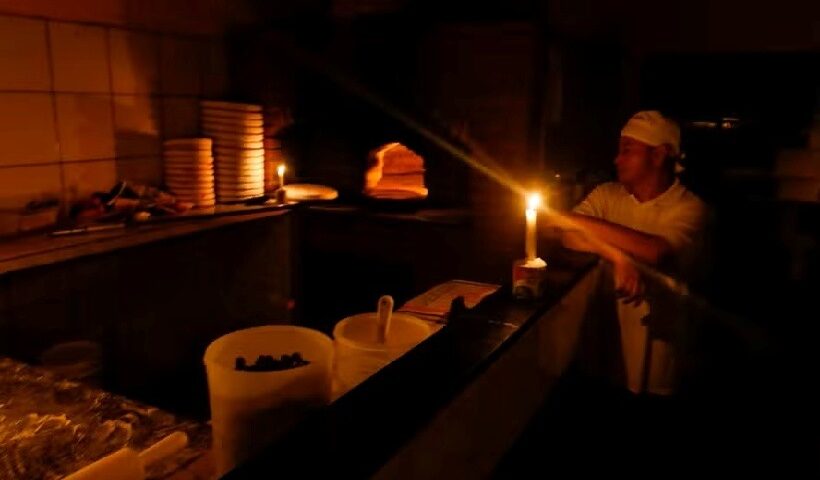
{"points": [[33, 251]]}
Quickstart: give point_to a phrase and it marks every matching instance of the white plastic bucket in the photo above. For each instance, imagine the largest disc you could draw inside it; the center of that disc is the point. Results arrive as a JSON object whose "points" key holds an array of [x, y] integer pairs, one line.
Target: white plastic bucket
{"points": [[249, 410], [359, 354]]}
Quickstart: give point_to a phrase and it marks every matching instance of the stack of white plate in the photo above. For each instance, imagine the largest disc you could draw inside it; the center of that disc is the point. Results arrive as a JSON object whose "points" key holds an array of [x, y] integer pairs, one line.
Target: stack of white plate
{"points": [[189, 170], [239, 156]]}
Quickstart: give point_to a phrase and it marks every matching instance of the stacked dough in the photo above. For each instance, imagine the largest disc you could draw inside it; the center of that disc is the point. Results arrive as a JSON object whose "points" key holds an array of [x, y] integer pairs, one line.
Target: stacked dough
{"points": [[395, 171], [189, 170], [239, 159]]}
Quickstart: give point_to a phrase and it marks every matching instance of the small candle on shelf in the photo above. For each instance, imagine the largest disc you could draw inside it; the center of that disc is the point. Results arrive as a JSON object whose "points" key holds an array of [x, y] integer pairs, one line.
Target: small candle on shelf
{"points": [[280, 192], [531, 213]]}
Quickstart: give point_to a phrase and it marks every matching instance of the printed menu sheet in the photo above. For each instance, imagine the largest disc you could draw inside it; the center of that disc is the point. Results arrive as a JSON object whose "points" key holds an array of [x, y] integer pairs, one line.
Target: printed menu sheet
{"points": [[434, 304]]}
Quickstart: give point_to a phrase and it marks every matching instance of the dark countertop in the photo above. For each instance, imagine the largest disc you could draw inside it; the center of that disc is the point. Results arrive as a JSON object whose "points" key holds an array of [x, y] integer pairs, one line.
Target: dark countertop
{"points": [[40, 249], [395, 212], [357, 434], [50, 427], [35, 250]]}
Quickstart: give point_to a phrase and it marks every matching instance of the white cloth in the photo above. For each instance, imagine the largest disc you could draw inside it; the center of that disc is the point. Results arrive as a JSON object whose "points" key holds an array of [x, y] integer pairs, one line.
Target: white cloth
{"points": [[652, 128], [676, 215]]}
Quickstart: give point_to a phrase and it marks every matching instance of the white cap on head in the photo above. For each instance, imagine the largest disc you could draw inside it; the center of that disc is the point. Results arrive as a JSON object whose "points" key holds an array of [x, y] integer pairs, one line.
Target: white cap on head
{"points": [[652, 128]]}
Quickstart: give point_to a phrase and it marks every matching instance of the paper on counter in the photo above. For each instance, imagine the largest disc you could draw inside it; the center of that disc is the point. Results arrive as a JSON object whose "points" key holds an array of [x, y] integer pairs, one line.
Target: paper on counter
{"points": [[434, 304]]}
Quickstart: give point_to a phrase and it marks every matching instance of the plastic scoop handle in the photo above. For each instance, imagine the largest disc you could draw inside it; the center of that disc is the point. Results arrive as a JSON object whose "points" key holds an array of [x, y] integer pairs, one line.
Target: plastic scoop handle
{"points": [[384, 313]]}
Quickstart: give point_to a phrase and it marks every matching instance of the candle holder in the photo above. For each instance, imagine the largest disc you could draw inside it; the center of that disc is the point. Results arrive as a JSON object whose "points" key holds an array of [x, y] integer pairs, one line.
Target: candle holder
{"points": [[529, 278]]}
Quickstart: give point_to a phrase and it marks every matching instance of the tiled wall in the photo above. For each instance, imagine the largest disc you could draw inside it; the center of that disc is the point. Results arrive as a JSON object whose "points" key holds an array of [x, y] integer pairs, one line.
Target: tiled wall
{"points": [[84, 105]]}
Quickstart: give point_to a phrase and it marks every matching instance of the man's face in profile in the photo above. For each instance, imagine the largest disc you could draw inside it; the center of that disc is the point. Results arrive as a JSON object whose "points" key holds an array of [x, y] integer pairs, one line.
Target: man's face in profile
{"points": [[634, 161]]}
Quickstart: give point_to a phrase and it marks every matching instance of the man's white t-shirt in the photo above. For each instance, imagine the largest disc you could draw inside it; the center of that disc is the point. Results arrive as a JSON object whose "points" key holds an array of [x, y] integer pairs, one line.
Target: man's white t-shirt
{"points": [[678, 216]]}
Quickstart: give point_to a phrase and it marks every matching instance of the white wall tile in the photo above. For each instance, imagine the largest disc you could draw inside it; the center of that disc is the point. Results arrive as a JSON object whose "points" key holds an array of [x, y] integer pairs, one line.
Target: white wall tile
{"points": [[23, 55], [19, 185], [85, 125], [27, 133], [136, 125], [134, 61], [180, 65], [80, 59]]}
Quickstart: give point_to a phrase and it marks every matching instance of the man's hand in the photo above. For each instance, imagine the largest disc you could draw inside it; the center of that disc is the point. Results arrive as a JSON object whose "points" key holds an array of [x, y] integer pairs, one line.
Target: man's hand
{"points": [[629, 286]]}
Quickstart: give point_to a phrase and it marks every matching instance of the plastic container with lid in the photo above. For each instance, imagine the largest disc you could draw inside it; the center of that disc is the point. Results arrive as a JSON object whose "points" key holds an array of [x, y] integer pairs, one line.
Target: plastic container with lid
{"points": [[249, 410], [359, 354]]}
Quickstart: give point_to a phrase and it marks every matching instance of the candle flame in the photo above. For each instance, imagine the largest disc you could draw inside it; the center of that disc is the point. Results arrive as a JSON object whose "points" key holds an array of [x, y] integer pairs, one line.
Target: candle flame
{"points": [[280, 170], [533, 201]]}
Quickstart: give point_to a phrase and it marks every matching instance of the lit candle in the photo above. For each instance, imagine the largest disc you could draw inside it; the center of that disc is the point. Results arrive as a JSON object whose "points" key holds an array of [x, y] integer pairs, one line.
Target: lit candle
{"points": [[281, 171], [531, 213]]}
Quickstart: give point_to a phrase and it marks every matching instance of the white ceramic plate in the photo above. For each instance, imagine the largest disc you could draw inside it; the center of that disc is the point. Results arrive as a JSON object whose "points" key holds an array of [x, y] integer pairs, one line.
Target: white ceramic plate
{"points": [[308, 191]]}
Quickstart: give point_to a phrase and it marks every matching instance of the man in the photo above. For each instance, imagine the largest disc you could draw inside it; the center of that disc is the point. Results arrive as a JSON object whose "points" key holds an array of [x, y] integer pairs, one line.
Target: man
{"points": [[649, 218]]}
